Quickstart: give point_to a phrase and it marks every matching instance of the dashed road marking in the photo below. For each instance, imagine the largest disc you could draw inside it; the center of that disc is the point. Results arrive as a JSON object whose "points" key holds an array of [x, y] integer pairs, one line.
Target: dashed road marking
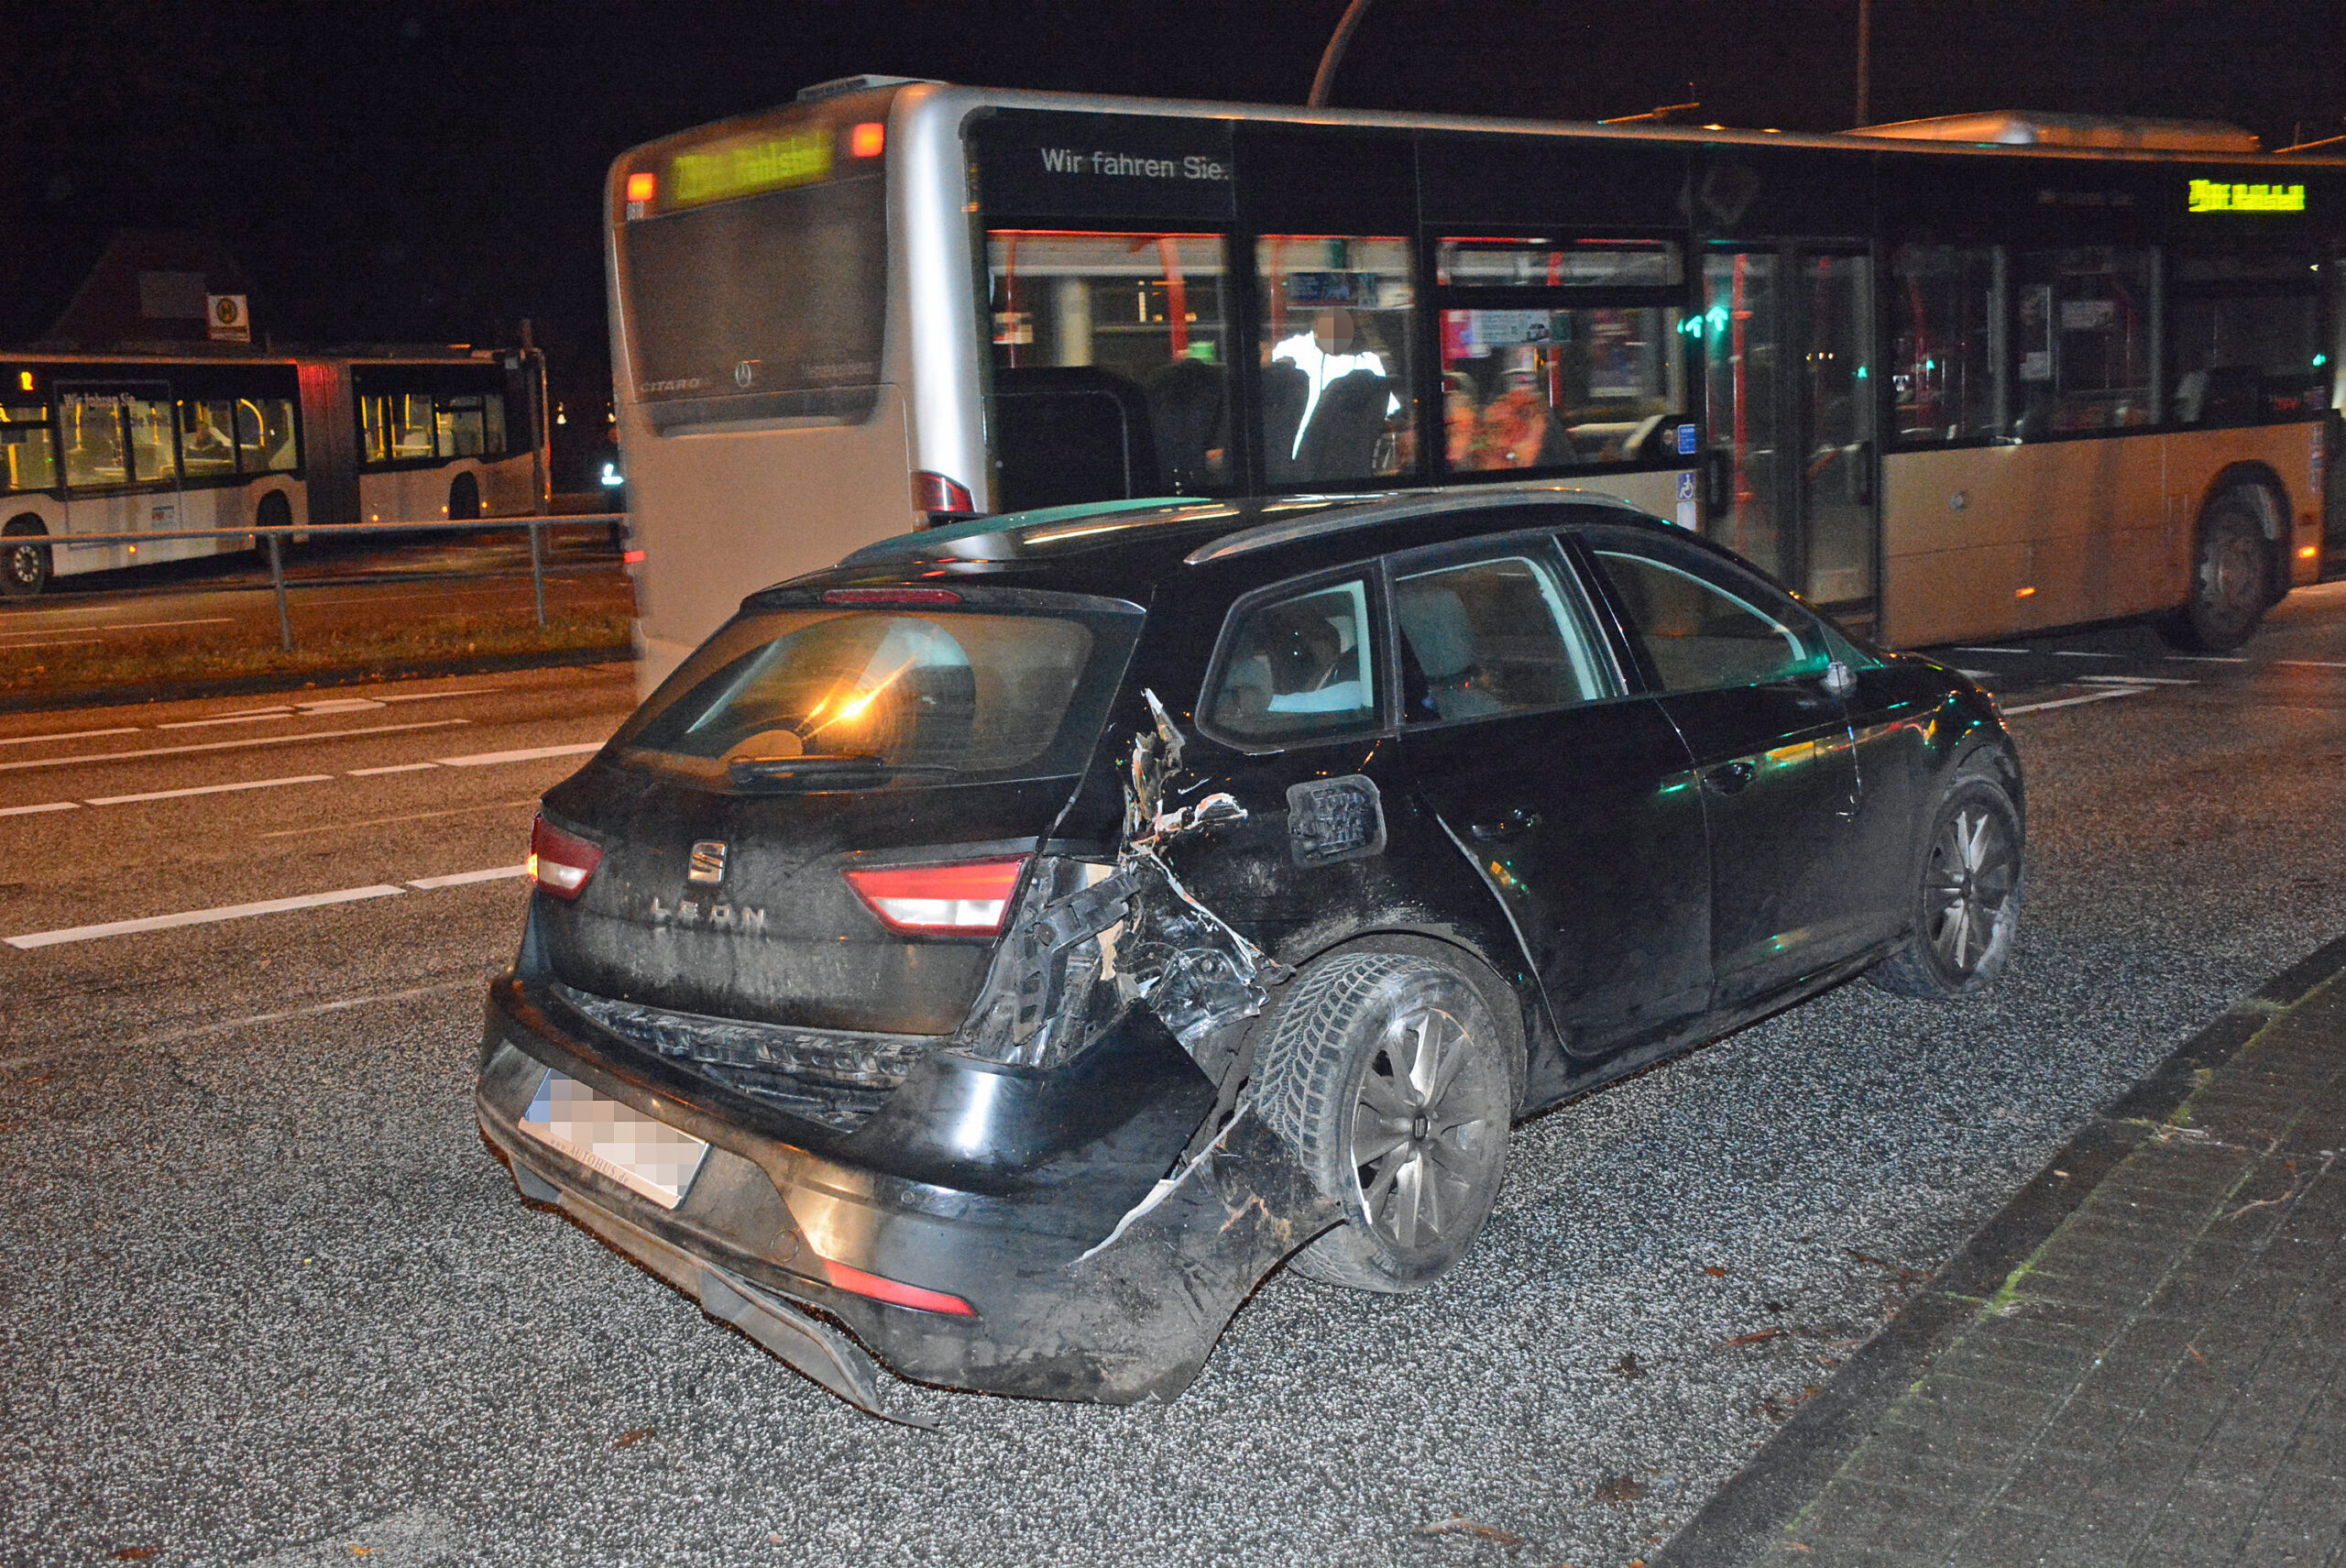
{"points": [[227, 745], [2207, 658], [2136, 681], [67, 735], [1995, 649], [466, 879], [44, 805], [2102, 696], [2313, 663], [206, 789], [2081, 653], [201, 916], [528, 754], [394, 768]]}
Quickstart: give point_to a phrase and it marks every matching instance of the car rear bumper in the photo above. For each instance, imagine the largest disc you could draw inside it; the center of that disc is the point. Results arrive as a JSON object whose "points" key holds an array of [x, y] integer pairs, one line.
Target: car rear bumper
{"points": [[1068, 1299]]}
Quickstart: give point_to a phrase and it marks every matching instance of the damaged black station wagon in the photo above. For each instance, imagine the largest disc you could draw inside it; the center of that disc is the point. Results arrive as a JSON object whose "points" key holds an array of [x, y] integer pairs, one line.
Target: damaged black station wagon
{"points": [[993, 956]]}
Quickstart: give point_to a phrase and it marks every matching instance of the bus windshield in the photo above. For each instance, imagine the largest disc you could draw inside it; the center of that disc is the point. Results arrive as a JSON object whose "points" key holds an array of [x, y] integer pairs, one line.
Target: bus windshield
{"points": [[762, 305]]}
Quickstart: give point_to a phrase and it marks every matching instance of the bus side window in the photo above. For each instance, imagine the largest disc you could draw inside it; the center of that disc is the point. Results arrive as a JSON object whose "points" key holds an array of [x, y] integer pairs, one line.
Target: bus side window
{"points": [[411, 426], [492, 408], [153, 452], [1942, 370], [28, 456], [2082, 340], [204, 441], [2246, 335], [95, 453], [1339, 327], [374, 429], [461, 427], [265, 443], [1112, 372]]}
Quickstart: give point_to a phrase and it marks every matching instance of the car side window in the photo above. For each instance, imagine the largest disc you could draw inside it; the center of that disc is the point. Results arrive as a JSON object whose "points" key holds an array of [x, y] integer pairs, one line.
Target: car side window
{"points": [[1298, 666], [1503, 634], [1703, 628]]}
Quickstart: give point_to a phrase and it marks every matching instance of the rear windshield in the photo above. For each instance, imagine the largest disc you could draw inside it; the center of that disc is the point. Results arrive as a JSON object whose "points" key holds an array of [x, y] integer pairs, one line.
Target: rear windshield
{"points": [[822, 697], [742, 302]]}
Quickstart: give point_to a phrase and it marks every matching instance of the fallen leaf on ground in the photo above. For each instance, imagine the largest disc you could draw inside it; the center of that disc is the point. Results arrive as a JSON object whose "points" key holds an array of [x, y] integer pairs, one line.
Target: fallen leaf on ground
{"points": [[1715, 1271], [1630, 1367], [1754, 1337], [632, 1436], [1458, 1524], [136, 1554], [1620, 1490]]}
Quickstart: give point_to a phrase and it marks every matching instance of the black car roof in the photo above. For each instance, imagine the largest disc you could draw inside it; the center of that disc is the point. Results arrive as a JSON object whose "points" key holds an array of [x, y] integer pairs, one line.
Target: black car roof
{"points": [[1128, 548]]}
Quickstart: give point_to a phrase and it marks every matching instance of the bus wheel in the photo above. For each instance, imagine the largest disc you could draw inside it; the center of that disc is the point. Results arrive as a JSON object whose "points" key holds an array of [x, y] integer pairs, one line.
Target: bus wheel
{"points": [[2232, 581], [24, 567], [274, 511], [463, 499]]}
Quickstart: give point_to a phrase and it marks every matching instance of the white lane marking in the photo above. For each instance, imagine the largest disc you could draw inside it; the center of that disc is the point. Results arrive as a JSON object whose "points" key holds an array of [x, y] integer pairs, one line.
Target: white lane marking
{"points": [[435, 696], [2081, 653], [394, 768], [2312, 663], [201, 916], [1992, 650], [172, 1037], [464, 879], [2207, 658], [531, 754], [66, 735], [228, 745], [275, 714], [206, 789], [59, 642], [2103, 695], [1977, 674], [120, 626], [2136, 681], [45, 806]]}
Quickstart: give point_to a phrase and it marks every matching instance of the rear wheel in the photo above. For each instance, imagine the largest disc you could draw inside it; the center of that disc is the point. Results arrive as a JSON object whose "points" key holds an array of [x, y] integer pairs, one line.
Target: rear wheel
{"points": [[1387, 1075], [23, 566], [2232, 577], [1967, 897]]}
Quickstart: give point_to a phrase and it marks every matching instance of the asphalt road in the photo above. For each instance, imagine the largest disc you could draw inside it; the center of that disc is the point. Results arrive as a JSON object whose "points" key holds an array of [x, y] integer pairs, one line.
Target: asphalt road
{"points": [[264, 1298], [336, 587]]}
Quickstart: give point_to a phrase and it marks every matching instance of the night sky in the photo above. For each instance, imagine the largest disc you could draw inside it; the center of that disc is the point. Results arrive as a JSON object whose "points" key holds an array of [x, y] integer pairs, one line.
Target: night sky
{"points": [[431, 170]]}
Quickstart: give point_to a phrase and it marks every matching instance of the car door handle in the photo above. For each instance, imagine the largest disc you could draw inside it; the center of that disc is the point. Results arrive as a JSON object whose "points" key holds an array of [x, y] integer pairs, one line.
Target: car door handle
{"points": [[1516, 820], [1729, 778]]}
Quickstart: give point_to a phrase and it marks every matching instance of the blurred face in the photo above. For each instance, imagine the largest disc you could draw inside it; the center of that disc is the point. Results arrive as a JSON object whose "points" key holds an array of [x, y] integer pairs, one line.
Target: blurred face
{"points": [[1332, 331]]}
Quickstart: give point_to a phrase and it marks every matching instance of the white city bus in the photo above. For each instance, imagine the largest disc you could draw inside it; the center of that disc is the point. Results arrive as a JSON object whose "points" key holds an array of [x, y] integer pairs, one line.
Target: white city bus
{"points": [[1950, 379], [131, 444]]}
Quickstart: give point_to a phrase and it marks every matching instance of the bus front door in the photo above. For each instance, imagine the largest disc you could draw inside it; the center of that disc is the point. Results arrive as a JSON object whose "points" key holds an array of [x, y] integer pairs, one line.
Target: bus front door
{"points": [[1788, 400]]}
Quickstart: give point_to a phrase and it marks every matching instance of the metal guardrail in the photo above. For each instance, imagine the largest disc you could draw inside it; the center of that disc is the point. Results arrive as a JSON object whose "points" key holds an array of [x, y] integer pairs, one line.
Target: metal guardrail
{"points": [[276, 537]]}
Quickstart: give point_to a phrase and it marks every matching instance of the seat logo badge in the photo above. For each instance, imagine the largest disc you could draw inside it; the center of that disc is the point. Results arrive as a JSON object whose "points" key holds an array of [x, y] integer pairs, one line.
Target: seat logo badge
{"points": [[707, 862]]}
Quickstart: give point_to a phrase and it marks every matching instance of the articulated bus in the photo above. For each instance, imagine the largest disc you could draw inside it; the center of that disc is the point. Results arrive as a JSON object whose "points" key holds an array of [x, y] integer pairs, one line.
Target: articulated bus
{"points": [[124, 444], [1950, 379]]}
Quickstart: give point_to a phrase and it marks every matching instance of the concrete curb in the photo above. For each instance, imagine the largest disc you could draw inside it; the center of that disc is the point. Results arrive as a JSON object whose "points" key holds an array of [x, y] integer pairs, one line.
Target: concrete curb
{"points": [[1745, 1517], [250, 685]]}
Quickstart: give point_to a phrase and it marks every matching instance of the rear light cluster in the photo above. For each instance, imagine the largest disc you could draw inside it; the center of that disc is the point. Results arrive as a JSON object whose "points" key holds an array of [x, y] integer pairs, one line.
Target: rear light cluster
{"points": [[893, 1291], [559, 862], [968, 899], [944, 499]]}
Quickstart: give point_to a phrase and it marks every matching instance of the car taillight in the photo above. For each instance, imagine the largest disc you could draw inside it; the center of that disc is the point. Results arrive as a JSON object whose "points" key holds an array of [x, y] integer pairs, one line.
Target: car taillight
{"points": [[894, 1291], [969, 899], [559, 862]]}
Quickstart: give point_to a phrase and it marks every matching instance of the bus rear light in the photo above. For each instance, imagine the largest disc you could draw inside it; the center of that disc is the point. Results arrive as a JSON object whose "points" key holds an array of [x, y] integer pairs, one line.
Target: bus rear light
{"points": [[869, 139], [642, 187], [559, 862], [631, 557], [935, 493], [968, 899], [893, 1291]]}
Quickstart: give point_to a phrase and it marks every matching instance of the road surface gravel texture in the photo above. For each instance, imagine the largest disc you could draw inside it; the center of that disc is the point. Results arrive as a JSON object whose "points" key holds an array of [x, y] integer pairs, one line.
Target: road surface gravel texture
{"points": [[266, 1299]]}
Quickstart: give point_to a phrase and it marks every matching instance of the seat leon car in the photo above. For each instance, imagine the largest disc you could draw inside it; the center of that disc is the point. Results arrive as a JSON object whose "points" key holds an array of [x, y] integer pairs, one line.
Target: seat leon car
{"points": [[987, 959]]}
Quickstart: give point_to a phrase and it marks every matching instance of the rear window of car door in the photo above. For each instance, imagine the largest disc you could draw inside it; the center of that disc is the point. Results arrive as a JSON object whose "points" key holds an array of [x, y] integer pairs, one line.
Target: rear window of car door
{"points": [[1502, 630], [1296, 662], [1701, 624]]}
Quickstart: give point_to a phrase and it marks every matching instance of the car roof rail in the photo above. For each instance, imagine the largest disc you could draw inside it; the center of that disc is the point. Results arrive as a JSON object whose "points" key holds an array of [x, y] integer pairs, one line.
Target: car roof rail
{"points": [[1342, 518]]}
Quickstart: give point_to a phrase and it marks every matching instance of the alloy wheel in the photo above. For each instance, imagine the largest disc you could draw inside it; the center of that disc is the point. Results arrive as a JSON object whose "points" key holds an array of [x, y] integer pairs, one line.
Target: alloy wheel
{"points": [[1972, 874], [1420, 1144]]}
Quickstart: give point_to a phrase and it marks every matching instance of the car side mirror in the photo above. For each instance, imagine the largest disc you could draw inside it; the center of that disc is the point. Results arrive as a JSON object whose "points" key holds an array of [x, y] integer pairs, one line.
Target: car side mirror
{"points": [[1839, 679]]}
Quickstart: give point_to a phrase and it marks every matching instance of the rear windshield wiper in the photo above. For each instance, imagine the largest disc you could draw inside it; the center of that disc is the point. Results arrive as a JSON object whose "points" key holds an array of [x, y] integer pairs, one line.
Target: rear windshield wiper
{"points": [[813, 770]]}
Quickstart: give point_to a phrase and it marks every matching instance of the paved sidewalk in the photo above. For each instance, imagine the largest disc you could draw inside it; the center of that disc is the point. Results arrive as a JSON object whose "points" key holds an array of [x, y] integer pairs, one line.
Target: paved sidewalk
{"points": [[2142, 1361]]}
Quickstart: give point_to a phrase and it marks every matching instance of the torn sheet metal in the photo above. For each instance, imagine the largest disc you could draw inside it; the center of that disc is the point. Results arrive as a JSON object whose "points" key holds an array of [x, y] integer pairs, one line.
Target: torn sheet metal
{"points": [[1087, 941]]}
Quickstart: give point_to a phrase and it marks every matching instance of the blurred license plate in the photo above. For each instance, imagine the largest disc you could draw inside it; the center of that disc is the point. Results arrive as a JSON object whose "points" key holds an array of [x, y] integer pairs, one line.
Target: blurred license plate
{"points": [[640, 1152]]}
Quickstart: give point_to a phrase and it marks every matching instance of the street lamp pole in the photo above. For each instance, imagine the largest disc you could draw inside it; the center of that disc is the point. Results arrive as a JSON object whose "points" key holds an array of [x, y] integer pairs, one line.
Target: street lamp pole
{"points": [[1865, 60], [1326, 75]]}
